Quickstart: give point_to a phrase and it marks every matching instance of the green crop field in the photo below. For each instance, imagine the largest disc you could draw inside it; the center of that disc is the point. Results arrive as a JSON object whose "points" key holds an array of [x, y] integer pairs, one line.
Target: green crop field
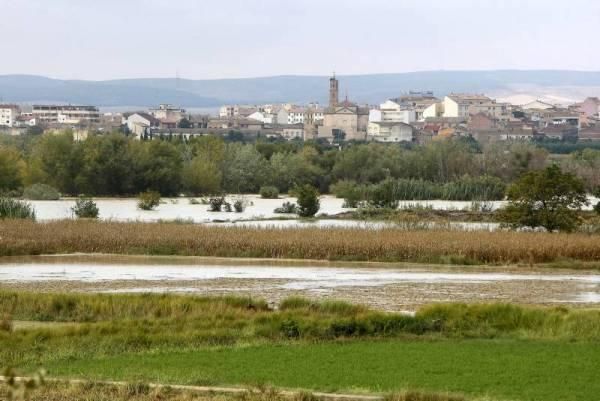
{"points": [[500, 369]]}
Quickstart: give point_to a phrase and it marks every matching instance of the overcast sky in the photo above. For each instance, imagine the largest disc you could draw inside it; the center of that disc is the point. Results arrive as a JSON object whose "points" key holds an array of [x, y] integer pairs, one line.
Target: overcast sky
{"points": [[105, 39]]}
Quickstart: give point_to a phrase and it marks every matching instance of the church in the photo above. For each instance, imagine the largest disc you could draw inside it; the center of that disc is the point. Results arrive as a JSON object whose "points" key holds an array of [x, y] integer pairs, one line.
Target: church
{"points": [[343, 121]]}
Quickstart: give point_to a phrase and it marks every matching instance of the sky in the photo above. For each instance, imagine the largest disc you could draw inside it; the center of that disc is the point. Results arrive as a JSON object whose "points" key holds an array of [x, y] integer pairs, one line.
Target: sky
{"points": [[208, 39]]}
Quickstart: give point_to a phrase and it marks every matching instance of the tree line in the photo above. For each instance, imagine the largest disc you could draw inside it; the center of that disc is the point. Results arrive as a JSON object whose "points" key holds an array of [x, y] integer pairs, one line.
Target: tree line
{"points": [[115, 165]]}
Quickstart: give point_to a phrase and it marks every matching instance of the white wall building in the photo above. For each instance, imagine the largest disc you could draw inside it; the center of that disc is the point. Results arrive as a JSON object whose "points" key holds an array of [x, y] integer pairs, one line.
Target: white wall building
{"points": [[9, 113], [66, 113], [390, 131], [138, 122], [391, 111], [463, 105], [264, 117]]}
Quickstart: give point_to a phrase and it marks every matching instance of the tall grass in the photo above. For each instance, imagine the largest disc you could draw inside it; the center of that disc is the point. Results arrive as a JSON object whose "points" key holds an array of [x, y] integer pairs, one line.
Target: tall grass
{"points": [[482, 188], [14, 209], [430, 246], [104, 325]]}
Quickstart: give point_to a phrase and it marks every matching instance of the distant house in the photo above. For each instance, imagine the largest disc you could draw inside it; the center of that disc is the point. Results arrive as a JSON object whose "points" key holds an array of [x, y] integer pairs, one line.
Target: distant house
{"points": [[138, 123], [390, 131], [9, 114], [391, 111], [235, 123], [463, 105], [481, 122], [590, 107]]}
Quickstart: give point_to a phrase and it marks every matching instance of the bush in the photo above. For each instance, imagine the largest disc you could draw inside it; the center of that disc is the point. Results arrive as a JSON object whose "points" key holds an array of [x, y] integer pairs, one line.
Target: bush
{"points": [[308, 200], [41, 192], [14, 209], [286, 208], [384, 194], [269, 192], [350, 191], [239, 205], [148, 200], [216, 203], [85, 208]]}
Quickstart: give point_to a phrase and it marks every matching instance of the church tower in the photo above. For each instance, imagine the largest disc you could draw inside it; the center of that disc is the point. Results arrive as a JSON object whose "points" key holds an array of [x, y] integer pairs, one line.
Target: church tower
{"points": [[333, 91]]}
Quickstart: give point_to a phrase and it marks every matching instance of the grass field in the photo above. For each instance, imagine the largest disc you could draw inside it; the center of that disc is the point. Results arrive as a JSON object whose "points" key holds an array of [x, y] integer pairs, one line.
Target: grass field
{"points": [[504, 370], [430, 246], [508, 352]]}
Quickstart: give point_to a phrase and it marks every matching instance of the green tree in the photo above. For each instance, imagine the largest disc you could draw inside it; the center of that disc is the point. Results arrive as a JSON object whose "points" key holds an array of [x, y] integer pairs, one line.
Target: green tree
{"points": [[547, 198], [12, 167], [56, 160], [201, 177], [156, 166], [245, 170], [106, 168], [184, 123], [308, 200]]}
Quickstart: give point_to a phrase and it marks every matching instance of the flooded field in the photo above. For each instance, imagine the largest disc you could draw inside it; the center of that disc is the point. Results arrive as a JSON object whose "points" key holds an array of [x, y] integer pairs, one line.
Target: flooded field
{"points": [[388, 287], [180, 208]]}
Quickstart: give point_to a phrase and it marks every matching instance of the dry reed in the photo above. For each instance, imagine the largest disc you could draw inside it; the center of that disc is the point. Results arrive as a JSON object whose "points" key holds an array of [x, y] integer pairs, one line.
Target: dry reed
{"points": [[392, 245]]}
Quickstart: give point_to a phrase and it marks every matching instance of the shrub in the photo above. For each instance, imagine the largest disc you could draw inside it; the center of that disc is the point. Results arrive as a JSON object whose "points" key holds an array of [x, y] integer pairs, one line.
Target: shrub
{"points": [[85, 208], [227, 207], [351, 192], [597, 207], [14, 209], [41, 192], [384, 194], [239, 205], [286, 208], [148, 200], [308, 200], [216, 203], [269, 192]]}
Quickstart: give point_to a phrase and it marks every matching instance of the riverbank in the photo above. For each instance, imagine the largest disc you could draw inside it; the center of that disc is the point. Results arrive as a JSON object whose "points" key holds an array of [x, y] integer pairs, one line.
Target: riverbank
{"points": [[384, 245]]}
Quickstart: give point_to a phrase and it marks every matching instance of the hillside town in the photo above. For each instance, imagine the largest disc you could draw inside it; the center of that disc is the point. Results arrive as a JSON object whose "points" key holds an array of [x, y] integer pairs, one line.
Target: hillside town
{"points": [[417, 116]]}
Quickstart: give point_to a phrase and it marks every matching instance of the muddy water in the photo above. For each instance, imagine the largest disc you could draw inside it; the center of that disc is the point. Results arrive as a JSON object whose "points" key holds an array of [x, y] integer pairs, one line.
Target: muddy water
{"points": [[180, 208], [389, 287]]}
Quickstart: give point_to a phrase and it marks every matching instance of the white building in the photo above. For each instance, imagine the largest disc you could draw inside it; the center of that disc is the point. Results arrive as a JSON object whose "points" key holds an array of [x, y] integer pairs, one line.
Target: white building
{"points": [[137, 123], [66, 114], [434, 110], [296, 115], [9, 113], [391, 111], [463, 105], [230, 111], [167, 112], [264, 117], [390, 131], [291, 132]]}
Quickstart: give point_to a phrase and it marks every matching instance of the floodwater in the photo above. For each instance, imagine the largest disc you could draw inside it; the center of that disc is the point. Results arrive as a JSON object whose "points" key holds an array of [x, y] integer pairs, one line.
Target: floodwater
{"points": [[389, 287], [181, 209]]}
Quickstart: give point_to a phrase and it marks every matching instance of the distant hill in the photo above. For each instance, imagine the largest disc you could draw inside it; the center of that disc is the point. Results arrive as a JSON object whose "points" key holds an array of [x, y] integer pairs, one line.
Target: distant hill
{"points": [[373, 88]]}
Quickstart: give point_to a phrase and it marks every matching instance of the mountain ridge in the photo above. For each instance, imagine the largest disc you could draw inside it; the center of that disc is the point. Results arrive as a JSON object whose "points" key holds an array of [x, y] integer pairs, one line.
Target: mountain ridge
{"points": [[364, 88]]}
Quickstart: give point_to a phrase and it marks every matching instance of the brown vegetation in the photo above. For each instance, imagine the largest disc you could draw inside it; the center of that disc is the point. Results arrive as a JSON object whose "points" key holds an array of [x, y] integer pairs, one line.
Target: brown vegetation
{"points": [[30, 238]]}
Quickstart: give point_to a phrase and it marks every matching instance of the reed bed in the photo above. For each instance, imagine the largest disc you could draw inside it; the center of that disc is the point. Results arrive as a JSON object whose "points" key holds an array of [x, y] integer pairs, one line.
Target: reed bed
{"points": [[390, 245]]}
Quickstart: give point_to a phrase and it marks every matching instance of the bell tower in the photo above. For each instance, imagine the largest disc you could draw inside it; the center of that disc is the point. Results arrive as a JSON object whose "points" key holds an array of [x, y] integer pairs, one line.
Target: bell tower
{"points": [[333, 91]]}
